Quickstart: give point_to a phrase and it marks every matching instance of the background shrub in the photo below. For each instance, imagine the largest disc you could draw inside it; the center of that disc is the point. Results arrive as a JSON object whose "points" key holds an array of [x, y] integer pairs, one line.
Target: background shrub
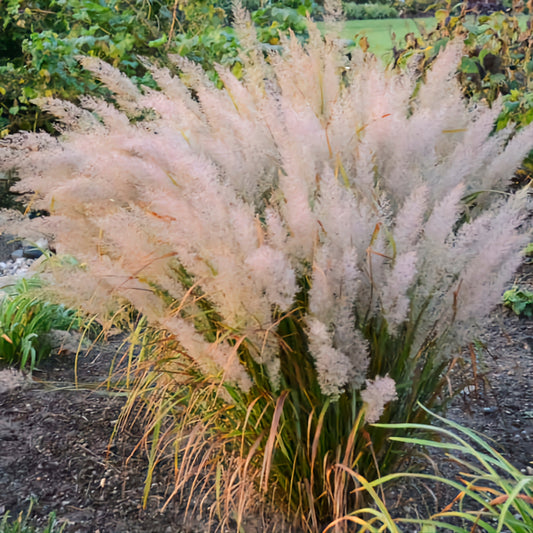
{"points": [[42, 38], [369, 11], [276, 18], [497, 63], [411, 8]]}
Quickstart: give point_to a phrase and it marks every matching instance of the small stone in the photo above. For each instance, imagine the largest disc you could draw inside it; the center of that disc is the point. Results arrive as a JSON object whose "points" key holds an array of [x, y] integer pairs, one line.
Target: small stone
{"points": [[17, 254], [527, 342], [31, 252], [11, 379]]}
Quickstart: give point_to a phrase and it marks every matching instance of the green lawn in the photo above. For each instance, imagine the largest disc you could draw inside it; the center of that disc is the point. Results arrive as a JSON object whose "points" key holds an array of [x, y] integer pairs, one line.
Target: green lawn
{"points": [[380, 32]]}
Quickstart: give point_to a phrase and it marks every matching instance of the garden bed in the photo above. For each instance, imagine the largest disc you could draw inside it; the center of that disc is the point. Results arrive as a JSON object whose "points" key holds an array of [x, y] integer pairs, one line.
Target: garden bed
{"points": [[55, 442]]}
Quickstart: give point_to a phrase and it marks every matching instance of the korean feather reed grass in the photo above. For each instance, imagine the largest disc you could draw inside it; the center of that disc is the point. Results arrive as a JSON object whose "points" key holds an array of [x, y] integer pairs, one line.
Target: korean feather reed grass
{"points": [[311, 245], [492, 495]]}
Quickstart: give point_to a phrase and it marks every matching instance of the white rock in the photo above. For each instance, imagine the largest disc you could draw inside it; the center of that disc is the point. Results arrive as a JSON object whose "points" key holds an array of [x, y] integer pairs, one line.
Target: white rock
{"points": [[11, 379]]}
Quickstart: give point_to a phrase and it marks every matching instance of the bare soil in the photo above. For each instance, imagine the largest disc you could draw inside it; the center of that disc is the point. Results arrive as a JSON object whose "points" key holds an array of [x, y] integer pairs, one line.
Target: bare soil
{"points": [[55, 442], [55, 447]]}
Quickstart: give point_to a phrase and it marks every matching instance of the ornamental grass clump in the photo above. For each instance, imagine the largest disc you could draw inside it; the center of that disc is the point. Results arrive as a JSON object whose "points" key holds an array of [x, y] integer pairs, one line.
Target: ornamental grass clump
{"points": [[310, 246]]}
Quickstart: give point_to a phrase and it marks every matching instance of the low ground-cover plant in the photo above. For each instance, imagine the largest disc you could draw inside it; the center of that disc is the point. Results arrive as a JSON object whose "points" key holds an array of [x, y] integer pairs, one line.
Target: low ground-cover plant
{"points": [[21, 524], [313, 244], [25, 321], [520, 300]]}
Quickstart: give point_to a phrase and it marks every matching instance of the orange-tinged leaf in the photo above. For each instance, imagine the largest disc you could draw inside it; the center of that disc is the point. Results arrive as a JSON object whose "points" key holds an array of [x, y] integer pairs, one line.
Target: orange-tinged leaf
{"points": [[6, 338], [504, 497], [269, 448], [375, 233], [459, 497], [479, 488]]}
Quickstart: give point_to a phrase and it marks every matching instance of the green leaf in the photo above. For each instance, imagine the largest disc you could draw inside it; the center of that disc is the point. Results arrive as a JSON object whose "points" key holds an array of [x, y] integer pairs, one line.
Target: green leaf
{"points": [[473, 28], [441, 15], [482, 54], [497, 79], [237, 70], [157, 43], [469, 66]]}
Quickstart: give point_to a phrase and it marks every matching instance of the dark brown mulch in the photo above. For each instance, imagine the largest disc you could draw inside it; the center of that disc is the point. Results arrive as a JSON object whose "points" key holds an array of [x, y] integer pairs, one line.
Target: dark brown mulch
{"points": [[55, 440], [55, 447], [500, 403]]}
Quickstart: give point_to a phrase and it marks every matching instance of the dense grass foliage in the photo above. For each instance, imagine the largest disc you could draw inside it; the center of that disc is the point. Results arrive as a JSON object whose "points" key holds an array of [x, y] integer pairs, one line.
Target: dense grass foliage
{"points": [[21, 523], [25, 321]]}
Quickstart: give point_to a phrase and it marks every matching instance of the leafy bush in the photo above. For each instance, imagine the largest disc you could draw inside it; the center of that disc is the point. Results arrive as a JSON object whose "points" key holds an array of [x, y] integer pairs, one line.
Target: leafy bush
{"points": [[276, 19], [252, 5], [41, 39], [25, 319], [301, 241], [213, 46], [369, 11], [417, 7]]}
